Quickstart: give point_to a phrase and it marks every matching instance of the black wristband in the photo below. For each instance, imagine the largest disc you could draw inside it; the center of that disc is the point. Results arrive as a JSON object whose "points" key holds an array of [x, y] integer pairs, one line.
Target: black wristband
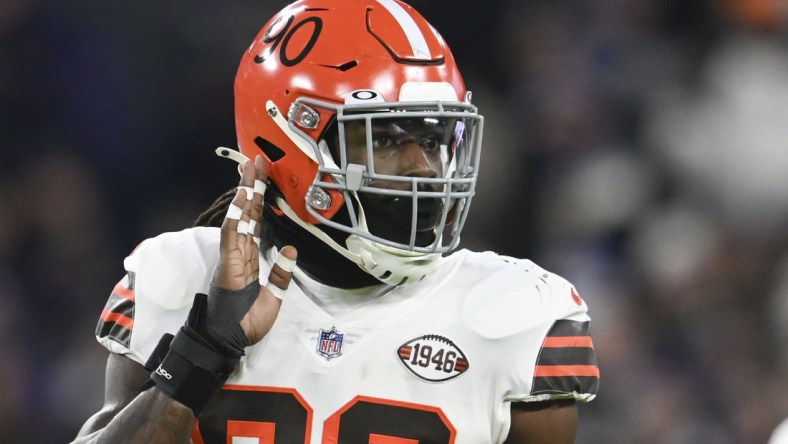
{"points": [[192, 372]]}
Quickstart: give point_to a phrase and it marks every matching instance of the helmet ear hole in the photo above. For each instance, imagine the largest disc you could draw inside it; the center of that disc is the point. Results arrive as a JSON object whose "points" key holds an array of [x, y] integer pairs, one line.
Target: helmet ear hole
{"points": [[271, 151]]}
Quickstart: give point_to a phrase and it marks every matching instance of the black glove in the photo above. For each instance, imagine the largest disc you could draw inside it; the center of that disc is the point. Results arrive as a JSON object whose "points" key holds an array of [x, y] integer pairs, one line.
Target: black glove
{"points": [[221, 323]]}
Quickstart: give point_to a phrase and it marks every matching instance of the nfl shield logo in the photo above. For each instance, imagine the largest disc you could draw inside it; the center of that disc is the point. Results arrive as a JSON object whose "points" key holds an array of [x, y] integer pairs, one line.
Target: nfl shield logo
{"points": [[329, 343]]}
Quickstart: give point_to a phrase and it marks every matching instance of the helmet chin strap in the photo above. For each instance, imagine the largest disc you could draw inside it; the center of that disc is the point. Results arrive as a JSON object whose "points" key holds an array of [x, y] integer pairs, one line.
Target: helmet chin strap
{"points": [[388, 265]]}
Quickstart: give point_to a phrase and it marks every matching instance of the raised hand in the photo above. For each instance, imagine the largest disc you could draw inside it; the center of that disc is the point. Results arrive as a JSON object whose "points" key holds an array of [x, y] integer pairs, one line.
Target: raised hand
{"points": [[237, 311], [235, 285]]}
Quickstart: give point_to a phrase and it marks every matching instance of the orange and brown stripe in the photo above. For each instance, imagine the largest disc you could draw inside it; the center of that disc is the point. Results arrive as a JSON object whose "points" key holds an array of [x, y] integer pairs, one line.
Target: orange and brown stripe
{"points": [[566, 361], [117, 319]]}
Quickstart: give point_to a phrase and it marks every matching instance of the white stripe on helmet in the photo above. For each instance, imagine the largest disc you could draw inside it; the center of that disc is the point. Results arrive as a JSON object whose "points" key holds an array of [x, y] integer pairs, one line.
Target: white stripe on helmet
{"points": [[409, 27]]}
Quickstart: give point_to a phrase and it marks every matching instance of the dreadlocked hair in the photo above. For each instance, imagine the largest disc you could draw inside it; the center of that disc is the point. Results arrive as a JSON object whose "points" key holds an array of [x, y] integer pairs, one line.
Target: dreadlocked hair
{"points": [[214, 215]]}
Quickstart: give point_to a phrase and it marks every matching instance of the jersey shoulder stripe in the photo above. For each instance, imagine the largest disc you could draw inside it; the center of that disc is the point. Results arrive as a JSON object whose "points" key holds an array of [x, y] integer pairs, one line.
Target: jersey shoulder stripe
{"points": [[117, 318], [566, 361]]}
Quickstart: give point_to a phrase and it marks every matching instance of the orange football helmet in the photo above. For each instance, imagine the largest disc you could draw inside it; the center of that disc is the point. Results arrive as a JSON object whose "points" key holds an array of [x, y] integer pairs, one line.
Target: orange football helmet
{"points": [[319, 66]]}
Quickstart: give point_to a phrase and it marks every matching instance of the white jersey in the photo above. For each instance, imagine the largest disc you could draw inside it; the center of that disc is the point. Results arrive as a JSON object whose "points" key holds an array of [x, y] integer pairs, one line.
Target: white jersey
{"points": [[438, 361]]}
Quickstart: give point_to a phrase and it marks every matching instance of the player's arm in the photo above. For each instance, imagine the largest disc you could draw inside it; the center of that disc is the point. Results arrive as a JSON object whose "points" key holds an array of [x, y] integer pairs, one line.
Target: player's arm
{"points": [[549, 422], [565, 372], [129, 416], [236, 313]]}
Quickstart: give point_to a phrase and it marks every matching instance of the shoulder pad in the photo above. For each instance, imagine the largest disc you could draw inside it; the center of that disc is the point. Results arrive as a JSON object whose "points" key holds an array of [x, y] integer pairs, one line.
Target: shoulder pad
{"points": [[162, 276], [508, 296], [540, 320]]}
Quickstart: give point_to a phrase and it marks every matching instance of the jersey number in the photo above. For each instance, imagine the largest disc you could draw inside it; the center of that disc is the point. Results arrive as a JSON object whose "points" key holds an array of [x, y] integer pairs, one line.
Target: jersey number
{"points": [[268, 415]]}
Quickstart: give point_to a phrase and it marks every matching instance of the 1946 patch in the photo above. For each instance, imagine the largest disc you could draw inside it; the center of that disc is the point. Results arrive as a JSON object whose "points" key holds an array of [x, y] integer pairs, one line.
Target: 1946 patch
{"points": [[433, 358]]}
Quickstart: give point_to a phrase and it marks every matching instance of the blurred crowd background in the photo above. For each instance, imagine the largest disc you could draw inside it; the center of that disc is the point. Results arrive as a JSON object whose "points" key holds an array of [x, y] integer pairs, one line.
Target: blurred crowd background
{"points": [[637, 147]]}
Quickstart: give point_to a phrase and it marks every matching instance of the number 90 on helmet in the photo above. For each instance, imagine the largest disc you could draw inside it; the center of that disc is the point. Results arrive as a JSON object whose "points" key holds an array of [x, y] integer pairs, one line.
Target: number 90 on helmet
{"points": [[326, 87]]}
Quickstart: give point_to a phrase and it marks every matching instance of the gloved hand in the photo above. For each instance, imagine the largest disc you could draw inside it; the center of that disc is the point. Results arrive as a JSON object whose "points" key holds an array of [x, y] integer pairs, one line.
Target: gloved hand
{"points": [[237, 312], [236, 296]]}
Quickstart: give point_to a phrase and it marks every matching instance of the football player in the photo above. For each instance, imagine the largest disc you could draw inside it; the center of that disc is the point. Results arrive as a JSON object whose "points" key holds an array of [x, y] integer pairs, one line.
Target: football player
{"points": [[324, 299]]}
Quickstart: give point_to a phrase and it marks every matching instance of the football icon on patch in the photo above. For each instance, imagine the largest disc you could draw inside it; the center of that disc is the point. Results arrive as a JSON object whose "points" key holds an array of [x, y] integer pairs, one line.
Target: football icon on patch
{"points": [[433, 358]]}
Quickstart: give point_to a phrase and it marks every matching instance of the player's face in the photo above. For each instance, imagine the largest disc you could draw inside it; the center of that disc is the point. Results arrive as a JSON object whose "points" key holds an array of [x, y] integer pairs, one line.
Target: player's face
{"points": [[417, 147], [407, 148]]}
